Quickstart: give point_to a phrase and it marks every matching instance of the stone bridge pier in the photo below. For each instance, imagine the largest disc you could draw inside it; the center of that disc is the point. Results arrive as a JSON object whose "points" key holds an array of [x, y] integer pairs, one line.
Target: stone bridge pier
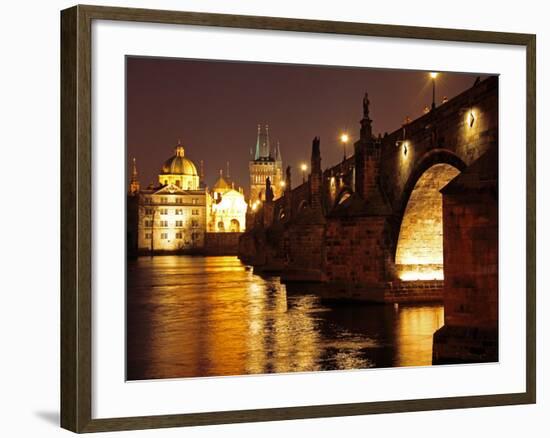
{"points": [[410, 217]]}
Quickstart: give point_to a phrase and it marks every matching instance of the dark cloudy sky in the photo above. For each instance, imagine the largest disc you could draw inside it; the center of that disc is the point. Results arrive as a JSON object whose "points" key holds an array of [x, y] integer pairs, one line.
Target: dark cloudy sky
{"points": [[214, 108]]}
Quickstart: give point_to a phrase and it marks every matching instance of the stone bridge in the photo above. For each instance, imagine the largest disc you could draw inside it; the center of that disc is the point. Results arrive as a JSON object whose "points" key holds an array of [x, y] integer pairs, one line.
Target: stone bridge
{"points": [[371, 227], [412, 216]]}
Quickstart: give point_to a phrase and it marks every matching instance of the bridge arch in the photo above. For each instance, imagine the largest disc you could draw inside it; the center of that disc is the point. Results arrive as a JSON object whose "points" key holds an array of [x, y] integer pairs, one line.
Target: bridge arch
{"points": [[302, 205], [418, 234], [281, 214]]}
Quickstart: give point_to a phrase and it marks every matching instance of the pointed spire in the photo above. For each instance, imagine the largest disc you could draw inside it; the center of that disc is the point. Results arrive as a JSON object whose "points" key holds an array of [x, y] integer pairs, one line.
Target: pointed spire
{"points": [[267, 147], [134, 183], [227, 172], [134, 169], [202, 170], [278, 156], [258, 145]]}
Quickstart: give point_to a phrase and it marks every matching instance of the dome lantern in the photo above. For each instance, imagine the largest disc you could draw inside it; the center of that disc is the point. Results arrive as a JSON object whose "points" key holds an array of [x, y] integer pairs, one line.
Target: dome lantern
{"points": [[179, 170]]}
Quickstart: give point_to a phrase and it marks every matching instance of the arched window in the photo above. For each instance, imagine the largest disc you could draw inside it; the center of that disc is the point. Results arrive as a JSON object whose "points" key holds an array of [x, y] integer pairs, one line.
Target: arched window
{"points": [[235, 226], [221, 227]]}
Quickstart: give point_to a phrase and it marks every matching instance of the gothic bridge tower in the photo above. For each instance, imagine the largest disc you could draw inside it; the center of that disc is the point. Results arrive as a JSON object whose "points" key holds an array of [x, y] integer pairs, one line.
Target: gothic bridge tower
{"points": [[265, 163]]}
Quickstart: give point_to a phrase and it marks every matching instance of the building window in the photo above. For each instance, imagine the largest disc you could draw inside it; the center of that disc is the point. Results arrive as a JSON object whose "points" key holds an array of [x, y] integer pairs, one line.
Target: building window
{"points": [[235, 226], [164, 224], [164, 236], [163, 211], [148, 236], [179, 235], [149, 211], [194, 223], [164, 200], [221, 227], [179, 223], [195, 212], [179, 201], [195, 201], [148, 223], [179, 211]]}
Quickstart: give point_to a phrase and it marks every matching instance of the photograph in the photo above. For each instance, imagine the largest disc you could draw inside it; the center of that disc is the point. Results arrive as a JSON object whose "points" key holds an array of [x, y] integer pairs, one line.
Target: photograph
{"points": [[308, 218]]}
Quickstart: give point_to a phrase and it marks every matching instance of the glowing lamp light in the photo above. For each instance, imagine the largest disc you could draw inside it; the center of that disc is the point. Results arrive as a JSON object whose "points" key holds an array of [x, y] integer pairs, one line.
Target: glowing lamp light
{"points": [[303, 167], [282, 184], [433, 74], [344, 138]]}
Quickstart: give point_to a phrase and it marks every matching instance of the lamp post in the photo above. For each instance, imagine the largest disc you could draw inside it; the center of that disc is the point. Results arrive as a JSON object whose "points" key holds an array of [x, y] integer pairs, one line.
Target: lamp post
{"points": [[344, 138], [433, 75], [304, 169]]}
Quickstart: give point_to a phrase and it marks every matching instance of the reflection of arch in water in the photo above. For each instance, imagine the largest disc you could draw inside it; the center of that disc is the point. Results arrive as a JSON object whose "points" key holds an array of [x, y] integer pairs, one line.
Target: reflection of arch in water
{"points": [[235, 226]]}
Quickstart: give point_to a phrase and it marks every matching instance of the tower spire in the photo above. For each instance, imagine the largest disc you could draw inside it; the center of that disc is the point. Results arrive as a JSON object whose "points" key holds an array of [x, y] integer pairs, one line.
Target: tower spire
{"points": [[267, 151], [258, 144], [227, 172], [278, 156], [134, 183]]}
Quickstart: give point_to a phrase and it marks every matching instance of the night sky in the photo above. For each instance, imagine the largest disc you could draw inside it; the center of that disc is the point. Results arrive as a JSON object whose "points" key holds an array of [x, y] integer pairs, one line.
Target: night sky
{"points": [[214, 108]]}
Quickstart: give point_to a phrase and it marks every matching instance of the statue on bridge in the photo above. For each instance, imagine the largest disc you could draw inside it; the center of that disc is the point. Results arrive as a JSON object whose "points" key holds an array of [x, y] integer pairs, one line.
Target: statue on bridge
{"points": [[268, 190], [288, 183], [366, 103]]}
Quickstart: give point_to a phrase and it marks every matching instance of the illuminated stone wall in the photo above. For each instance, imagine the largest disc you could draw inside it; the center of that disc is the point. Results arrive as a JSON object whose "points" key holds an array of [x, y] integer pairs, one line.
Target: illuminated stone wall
{"points": [[470, 216], [221, 243], [169, 222], [419, 254], [355, 250], [227, 214]]}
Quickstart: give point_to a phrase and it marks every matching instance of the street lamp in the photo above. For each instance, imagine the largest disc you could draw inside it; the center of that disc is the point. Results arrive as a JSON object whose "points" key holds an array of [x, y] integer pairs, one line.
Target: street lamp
{"points": [[433, 75], [344, 138], [304, 169]]}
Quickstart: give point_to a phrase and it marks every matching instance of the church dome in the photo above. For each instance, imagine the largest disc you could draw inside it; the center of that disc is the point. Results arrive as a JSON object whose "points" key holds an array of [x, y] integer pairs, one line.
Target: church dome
{"points": [[221, 185], [179, 165]]}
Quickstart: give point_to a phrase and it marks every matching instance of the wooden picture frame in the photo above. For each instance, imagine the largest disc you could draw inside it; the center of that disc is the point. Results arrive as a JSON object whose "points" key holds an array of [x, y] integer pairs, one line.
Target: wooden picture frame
{"points": [[76, 218]]}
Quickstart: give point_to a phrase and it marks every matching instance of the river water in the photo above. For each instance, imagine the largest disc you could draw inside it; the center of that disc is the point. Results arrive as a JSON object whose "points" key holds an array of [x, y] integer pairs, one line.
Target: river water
{"points": [[212, 316]]}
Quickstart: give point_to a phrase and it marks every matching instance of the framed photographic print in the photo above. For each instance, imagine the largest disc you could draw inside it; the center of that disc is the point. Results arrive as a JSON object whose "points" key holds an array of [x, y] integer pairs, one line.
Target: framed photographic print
{"points": [[267, 219]]}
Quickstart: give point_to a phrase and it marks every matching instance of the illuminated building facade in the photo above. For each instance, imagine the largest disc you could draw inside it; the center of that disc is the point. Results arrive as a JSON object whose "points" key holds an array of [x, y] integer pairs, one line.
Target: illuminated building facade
{"points": [[176, 214], [227, 213], [267, 163]]}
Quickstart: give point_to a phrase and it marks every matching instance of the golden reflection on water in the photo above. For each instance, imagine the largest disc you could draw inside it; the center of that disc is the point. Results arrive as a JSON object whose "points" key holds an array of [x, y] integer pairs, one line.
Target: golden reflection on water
{"points": [[211, 316]]}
